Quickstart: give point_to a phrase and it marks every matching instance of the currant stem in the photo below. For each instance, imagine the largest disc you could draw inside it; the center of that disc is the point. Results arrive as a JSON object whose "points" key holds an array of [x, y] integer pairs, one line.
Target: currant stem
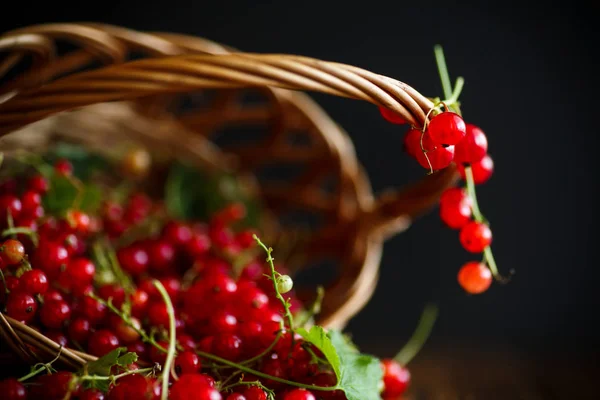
{"points": [[443, 70], [472, 194], [114, 377], [265, 352], [171, 349], [270, 259], [47, 366], [419, 336], [259, 374]]}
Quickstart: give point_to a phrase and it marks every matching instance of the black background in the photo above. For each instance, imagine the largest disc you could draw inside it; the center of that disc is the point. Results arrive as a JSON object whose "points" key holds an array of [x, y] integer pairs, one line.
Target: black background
{"points": [[531, 86]]}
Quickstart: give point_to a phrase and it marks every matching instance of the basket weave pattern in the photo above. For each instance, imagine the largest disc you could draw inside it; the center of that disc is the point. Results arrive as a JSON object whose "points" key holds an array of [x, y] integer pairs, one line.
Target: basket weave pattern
{"points": [[109, 96]]}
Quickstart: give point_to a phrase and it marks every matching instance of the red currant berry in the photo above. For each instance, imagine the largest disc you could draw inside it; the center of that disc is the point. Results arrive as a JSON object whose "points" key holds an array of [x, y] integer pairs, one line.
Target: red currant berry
{"points": [[222, 322], [177, 233], [38, 183], [236, 396], [437, 156], [250, 295], [328, 379], [12, 389], [299, 394], [186, 342], [81, 271], [50, 257], [198, 245], [475, 277], [396, 379], [54, 313], [33, 282], [157, 314], [447, 128], [126, 333], [139, 302], [114, 292], [131, 387], [157, 355], [473, 146], [133, 259], [10, 204], [193, 387], [161, 255], [412, 142], [187, 362], [101, 342], [63, 167], [79, 331], [227, 345], [30, 200], [57, 337], [391, 116], [254, 393], [79, 221], [232, 212], [21, 306], [456, 215], [89, 308], [475, 236], [53, 294], [482, 170]]}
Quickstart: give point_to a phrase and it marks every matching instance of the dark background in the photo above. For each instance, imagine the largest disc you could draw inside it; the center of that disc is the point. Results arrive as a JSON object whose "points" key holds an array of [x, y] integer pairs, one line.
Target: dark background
{"points": [[529, 84]]}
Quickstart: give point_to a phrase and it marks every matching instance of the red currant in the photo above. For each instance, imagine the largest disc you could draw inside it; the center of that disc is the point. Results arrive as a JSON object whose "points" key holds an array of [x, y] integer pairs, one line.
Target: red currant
{"points": [[227, 345], [475, 236], [157, 355], [396, 379], [391, 116], [299, 394], [101, 342], [21, 306], [187, 362], [114, 292], [9, 204], [63, 167], [473, 146], [437, 156], [33, 282], [79, 331], [79, 221], [482, 170], [57, 337], [177, 233], [89, 308], [50, 257], [133, 259], [447, 128], [12, 389], [198, 245], [90, 394], [38, 183], [222, 322], [236, 396], [412, 142], [161, 255], [30, 200], [455, 208], [131, 387], [254, 393], [139, 302], [54, 313], [81, 271], [193, 387], [126, 333], [475, 277], [157, 314]]}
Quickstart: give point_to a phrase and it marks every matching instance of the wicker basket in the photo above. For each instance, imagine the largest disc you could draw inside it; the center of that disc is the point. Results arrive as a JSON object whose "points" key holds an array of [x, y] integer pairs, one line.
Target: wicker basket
{"points": [[98, 95]]}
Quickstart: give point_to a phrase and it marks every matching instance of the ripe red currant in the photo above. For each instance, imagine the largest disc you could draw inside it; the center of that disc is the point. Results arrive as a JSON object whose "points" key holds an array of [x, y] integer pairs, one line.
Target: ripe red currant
{"points": [[12, 389], [54, 313], [391, 116], [101, 342], [436, 157], [482, 170], [396, 379], [236, 396], [254, 393], [38, 183], [193, 386], [133, 259], [412, 142], [299, 394], [79, 331], [455, 208], [187, 362], [473, 146], [21, 306], [30, 200], [161, 255], [79, 221], [475, 236], [177, 233], [63, 167], [80, 271], [33, 282], [89, 308], [475, 277], [447, 128], [227, 345], [90, 394], [50, 257], [9, 205], [131, 387]]}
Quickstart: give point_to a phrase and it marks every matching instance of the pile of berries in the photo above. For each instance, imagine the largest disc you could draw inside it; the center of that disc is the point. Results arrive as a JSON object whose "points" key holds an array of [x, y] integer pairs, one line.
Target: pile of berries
{"points": [[448, 139], [91, 282]]}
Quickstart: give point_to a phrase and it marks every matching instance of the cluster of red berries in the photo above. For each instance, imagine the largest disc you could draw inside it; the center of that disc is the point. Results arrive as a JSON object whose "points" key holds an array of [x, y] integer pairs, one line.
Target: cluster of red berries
{"points": [[448, 139], [52, 281]]}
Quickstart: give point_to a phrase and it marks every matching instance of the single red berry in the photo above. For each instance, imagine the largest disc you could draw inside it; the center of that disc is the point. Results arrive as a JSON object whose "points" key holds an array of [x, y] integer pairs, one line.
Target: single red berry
{"points": [[33, 282], [131, 387], [53, 294], [101, 342], [227, 345], [412, 142], [236, 396], [50, 257], [90, 394], [447, 128], [157, 314], [38, 183], [222, 322], [454, 195], [391, 116], [161, 255], [475, 236], [456, 215], [396, 378], [186, 342], [187, 362], [245, 238], [12, 389], [79, 221], [81, 272], [114, 292], [232, 212], [79, 331], [482, 170], [139, 302], [159, 356], [437, 156], [198, 245], [299, 394], [254, 393], [472, 147], [57, 337], [54, 313], [177, 233], [9, 204], [474, 277], [30, 200], [133, 259], [12, 251], [249, 295], [21, 306], [88, 308], [193, 387], [63, 167], [126, 333]]}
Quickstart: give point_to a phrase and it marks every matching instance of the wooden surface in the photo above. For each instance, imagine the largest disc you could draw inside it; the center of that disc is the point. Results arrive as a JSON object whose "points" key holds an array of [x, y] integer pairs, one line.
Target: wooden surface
{"points": [[460, 374]]}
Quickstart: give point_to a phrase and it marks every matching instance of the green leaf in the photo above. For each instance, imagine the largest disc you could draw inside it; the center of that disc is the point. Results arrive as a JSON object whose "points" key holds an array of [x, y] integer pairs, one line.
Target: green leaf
{"points": [[359, 375], [103, 365], [63, 194], [85, 163], [192, 194]]}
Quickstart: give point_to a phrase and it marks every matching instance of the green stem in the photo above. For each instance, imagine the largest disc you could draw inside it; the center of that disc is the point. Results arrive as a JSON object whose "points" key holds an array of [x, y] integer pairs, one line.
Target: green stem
{"points": [[477, 215], [21, 229], [262, 374], [419, 337], [265, 352], [114, 377], [270, 259], [460, 83], [443, 70], [42, 367], [172, 339]]}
